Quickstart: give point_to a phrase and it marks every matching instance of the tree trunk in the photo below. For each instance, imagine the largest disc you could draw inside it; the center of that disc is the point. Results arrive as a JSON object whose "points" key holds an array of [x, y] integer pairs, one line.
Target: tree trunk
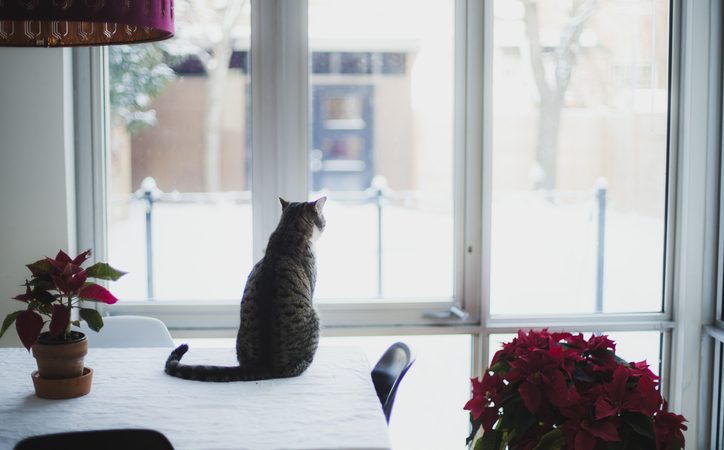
{"points": [[217, 69], [552, 92], [549, 121]]}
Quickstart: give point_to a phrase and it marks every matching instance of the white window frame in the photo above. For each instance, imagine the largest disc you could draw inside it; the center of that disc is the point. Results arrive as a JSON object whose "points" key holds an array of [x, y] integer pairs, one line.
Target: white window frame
{"points": [[280, 76], [280, 71]]}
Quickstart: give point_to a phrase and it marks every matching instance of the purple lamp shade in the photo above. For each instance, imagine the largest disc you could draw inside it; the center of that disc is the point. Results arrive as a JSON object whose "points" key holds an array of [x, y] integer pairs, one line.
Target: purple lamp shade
{"points": [[63, 23]]}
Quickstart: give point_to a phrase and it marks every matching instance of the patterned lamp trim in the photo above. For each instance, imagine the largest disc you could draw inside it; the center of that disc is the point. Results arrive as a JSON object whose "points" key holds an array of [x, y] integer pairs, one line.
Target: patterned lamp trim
{"points": [[65, 23]]}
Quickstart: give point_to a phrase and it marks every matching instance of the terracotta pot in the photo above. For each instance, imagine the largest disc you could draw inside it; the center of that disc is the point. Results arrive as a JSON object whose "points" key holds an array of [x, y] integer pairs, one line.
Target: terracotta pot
{"points": [[59, 359], [61, 388]]}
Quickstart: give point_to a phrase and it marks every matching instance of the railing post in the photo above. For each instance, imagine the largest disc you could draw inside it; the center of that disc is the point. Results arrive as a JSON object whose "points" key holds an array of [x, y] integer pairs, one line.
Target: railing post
{"points": [[379, 187], [149, 192], [601, 191]]}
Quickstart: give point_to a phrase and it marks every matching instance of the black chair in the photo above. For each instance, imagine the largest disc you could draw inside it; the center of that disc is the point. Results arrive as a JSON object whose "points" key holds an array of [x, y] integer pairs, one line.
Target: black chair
{"points": [[388, 372], [120, 439]]}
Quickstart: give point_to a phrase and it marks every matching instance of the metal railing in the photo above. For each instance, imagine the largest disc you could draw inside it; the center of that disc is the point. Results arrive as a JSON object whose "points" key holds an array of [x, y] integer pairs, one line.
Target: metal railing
{"points": [[378, 193]]}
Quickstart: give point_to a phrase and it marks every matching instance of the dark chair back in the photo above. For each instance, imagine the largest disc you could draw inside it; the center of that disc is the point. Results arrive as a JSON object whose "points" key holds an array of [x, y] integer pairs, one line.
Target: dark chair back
{"points": [[121, 439], [388, 372]]}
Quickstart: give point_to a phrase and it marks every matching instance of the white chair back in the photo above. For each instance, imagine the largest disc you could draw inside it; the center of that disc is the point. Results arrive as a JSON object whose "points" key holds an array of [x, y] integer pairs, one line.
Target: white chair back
{"points": [[129, 331]]}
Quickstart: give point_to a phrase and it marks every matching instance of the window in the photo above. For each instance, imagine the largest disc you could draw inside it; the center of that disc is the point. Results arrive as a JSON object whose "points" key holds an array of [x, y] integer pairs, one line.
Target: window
{"points": [[382, 146], [579, 157], [191, 171], [180, 165], [489, 166]]}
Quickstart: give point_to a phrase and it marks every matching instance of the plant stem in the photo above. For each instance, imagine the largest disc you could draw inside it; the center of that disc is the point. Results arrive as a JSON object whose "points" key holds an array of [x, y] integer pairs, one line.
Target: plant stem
{"points": [[70, 308]]}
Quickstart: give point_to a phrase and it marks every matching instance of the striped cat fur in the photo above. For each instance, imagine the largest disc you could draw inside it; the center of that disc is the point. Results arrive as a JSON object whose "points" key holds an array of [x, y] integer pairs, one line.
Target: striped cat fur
{"points": [[279, 330]]}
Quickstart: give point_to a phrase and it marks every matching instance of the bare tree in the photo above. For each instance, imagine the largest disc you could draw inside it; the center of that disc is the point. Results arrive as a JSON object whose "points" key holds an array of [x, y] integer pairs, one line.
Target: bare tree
{"points": [[214, 47], [552, 88]]}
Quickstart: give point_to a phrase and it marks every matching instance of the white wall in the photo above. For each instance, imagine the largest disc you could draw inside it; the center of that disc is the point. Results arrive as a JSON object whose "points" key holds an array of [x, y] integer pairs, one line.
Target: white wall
{"points": [[37, 197]]}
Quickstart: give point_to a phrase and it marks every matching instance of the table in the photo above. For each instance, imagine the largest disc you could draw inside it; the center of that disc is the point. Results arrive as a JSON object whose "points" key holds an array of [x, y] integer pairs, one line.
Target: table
{"points": [[332, 405]]}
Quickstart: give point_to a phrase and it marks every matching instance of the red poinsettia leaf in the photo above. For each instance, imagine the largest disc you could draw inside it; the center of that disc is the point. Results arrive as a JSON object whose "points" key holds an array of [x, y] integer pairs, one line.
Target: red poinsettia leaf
{"points": [[604, 429], [77, 280], [63, 257], [604, 409], [555, 387], [59, 322], [71, 269], [488, 419], [475, 405], [23, 297], [81, 258], [92, 291], [27, 296], [646, 399], [28, 325], [584, 441], [58, 265], [530, 394], [61, 282]]}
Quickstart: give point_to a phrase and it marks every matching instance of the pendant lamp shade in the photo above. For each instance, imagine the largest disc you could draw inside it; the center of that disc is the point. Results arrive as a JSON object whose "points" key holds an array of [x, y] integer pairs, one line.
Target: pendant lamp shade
{"points": [[65, 23]]}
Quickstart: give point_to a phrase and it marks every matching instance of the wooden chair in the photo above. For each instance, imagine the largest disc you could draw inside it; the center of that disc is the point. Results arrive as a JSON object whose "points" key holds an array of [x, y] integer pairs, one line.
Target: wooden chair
{"points": [[120, 439], [388, 373]]}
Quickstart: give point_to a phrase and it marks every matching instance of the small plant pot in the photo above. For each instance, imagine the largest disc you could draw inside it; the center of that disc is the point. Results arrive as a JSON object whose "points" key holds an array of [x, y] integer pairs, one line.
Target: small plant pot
{"points": [[59, 359], [61, 372], [62, 388]]}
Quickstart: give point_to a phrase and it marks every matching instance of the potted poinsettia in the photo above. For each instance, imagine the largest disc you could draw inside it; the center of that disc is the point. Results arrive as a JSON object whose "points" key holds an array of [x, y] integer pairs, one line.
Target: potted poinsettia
{"points": [[56, 287], [552, 391]]}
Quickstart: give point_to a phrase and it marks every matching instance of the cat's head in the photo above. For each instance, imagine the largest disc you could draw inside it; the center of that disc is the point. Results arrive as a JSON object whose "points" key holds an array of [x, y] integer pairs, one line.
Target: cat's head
{"points": [[309, 212]]}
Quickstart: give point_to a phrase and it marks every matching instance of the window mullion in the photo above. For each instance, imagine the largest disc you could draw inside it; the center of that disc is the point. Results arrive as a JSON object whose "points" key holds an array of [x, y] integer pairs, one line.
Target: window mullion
{"points": [[697, 186], [279, 74], [91, 132]]}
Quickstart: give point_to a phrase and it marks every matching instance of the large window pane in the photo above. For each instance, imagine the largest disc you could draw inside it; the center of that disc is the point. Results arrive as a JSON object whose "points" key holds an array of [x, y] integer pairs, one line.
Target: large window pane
{"points": [[382, 147], [179, 217], [579, 156]]}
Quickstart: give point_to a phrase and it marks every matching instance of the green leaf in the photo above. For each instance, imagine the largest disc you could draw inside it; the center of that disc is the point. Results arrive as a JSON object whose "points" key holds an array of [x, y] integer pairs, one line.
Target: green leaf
{"points": [[491, 440], [104, 272], [552, 440], [43, 282], [500, 366], [474, 428], [640, 424], [9, 320], [40, 267], [522, 421], [478, 444], [43, 296], [43, 308], [94, 319]]}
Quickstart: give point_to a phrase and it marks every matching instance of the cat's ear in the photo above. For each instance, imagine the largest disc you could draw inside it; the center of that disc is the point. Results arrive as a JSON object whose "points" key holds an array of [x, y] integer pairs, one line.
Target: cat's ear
{"points": [[319, 204], [285, 204]]}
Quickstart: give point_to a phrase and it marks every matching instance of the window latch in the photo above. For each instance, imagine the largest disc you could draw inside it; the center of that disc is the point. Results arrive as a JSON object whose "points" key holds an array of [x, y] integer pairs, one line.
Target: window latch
{"points": [[455, 312]]}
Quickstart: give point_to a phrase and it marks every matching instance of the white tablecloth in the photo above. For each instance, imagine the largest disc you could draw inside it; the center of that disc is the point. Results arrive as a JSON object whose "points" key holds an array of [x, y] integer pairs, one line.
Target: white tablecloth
{"points": [[331, 406]]}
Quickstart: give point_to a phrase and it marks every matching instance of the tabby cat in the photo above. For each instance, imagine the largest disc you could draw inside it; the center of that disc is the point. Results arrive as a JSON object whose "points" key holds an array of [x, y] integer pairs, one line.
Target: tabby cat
{"points": [[279, 329]]}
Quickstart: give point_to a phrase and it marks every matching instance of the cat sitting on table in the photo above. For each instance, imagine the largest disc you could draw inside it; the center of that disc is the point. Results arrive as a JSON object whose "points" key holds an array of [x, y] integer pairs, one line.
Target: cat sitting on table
{"points": [[279, 331]]}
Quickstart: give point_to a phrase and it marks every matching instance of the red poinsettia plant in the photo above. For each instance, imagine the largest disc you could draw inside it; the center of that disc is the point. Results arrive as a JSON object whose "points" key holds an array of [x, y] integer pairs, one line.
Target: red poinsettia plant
{"points": [[58, 285], [548, 391]]}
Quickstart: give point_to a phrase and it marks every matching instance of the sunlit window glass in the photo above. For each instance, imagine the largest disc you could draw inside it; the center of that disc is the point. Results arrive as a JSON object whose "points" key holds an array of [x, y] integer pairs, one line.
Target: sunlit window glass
{"points": [[179, 215], [381, 104], [579, 156]]}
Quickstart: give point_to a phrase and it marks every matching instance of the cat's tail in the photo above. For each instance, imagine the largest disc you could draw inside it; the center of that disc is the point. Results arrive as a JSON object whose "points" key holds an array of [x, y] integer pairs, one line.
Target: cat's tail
{"points": [[210, 373]]}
